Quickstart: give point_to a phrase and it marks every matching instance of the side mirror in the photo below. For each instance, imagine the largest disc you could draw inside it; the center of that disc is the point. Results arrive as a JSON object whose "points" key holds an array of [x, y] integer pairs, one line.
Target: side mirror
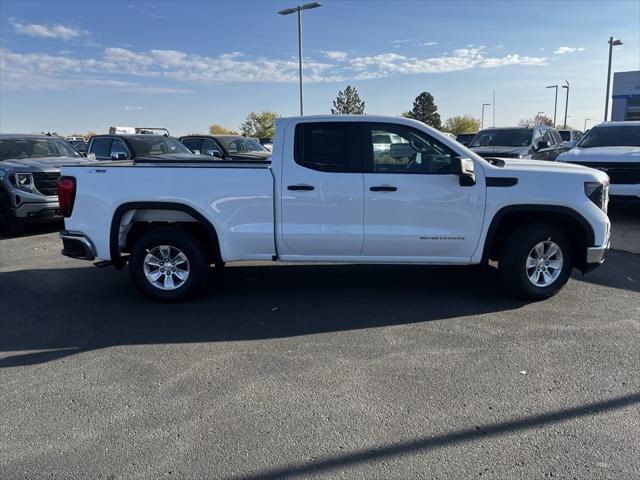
{"points": [[542, 144], [90, 156], [464, 168], [214, 153], [118, 156]]}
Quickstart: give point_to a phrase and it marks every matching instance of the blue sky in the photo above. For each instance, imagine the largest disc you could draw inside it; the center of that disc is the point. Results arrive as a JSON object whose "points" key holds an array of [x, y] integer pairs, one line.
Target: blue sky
{"points": [[79, 66]]}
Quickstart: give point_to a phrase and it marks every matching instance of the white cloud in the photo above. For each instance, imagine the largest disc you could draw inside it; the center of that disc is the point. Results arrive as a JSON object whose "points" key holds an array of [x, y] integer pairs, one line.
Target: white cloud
{"points": [[384, 65], [429, 44], [131, 108], [335, 55], [47, 31], [563, 50], [162, 69]]}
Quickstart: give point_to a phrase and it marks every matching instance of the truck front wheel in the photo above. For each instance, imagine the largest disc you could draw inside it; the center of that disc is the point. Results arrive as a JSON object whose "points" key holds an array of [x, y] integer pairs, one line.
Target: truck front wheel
{"points": [[168, 264], [536, 261]]}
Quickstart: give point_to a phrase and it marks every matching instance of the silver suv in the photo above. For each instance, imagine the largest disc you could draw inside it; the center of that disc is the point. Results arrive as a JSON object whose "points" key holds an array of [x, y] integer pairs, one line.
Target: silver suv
{"points": [[29, 171]]}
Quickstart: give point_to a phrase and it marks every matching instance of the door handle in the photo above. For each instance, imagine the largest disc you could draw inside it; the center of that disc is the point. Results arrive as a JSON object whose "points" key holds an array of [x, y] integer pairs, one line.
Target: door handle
{"points": [[306, 188], [383, 188]]}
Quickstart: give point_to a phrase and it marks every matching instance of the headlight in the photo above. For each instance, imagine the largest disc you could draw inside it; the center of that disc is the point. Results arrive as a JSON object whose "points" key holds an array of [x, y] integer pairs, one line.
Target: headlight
{"points": [[598, 193], [24, 181]]}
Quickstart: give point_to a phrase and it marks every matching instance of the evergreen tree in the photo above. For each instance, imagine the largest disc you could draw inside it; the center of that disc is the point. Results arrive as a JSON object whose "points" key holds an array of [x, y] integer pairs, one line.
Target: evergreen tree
{"points": [[348, 102], [425, 110]]}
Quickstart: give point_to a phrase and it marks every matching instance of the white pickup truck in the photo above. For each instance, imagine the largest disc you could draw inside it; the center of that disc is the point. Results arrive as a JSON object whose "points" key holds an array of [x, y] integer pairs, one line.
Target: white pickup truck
{"points": [[332, 192]]}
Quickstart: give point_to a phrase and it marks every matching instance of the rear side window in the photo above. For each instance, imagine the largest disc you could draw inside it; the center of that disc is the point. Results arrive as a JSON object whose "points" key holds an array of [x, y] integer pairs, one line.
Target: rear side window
{"points": [[329, 146], [101, 146], [118, 148], [193, 144]]}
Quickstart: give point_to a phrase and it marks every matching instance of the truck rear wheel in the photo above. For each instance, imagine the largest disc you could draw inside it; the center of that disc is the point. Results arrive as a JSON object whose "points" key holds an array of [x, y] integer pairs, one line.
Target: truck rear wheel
{"points": [[536, 261], [168, 264]]}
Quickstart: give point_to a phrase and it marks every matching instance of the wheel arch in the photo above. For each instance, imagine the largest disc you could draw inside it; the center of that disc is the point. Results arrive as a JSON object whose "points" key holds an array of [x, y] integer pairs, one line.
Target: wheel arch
{"points": [[208, 230], [577, 228]]}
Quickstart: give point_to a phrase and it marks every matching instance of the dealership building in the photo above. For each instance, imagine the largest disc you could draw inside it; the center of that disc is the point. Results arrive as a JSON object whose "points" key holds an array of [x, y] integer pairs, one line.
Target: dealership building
{"points": [[626, 96]]}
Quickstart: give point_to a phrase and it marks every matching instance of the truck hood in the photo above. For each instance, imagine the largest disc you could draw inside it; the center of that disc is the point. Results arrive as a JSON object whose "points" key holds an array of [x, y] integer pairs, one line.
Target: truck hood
{"points": [[601, 154], [512, 166], [53, 164], [498, 151]]}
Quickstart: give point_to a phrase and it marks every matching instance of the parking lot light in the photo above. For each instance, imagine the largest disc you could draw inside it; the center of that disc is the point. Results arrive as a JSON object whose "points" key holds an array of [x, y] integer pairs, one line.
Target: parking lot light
{"points": [[566, 105], [482, 120], [555, 106], [297, 9], [612, 43]]}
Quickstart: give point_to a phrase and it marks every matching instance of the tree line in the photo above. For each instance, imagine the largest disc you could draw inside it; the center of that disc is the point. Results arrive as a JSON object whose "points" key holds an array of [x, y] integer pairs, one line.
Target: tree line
{"points": [[348, 102]]}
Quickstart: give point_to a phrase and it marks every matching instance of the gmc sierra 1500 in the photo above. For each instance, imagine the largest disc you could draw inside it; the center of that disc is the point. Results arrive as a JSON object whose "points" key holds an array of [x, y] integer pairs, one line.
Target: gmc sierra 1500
{"points": [[339, 189]]}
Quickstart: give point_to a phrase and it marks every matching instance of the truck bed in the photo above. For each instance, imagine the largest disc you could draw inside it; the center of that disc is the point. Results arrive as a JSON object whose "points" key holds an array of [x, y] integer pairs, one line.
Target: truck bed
{"points": [[235, 197]]}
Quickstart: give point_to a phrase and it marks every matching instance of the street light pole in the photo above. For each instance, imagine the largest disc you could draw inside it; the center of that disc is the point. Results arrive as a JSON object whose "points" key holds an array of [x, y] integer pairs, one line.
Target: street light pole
{"points": [[298, 10], [612, 43], [566, 105], [555, 107], [482, 121]]}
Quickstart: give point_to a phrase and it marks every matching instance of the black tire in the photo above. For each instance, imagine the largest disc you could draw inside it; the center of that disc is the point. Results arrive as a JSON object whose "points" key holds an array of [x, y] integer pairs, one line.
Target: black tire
{"points": [[9, 225], [177, 238], [513, 260]]}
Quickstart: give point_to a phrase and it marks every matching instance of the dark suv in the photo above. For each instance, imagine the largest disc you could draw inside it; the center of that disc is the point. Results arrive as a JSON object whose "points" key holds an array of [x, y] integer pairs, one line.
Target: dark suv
{"points": [[538, 143], [227, 147], [126, 147]]}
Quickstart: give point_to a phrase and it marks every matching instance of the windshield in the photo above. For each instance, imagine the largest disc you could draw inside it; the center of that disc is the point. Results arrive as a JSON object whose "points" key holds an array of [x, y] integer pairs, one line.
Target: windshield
{"points": [[622, 136], [241, 145], [21, 148], [78, 144], [155, 145], [513, 137]]}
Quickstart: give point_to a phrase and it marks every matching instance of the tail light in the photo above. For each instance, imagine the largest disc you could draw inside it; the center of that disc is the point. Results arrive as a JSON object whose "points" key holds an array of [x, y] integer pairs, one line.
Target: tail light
{"points": [[66, 195]]}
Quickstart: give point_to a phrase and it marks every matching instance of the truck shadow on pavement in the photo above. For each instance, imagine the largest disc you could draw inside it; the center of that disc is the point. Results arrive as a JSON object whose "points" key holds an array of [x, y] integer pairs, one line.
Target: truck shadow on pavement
{"points": [[51, 314]]}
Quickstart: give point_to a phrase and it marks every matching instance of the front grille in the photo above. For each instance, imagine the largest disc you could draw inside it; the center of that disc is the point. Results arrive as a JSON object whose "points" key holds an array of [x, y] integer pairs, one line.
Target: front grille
{"points": [[620, 173], [46, 182]]}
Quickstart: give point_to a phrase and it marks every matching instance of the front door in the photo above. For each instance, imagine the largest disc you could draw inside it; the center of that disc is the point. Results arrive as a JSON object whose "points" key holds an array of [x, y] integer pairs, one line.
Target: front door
{"points": [[322, 191], [415, 208]]}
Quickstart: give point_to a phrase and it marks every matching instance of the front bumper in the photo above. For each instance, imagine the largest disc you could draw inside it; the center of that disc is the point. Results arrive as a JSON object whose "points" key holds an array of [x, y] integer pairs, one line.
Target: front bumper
{"points": [[595, 257], [37, 211], [77, 245]]}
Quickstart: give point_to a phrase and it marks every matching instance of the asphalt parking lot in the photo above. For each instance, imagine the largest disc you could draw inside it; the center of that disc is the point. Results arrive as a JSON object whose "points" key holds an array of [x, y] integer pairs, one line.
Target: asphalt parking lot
{"points": [[315, 372]]}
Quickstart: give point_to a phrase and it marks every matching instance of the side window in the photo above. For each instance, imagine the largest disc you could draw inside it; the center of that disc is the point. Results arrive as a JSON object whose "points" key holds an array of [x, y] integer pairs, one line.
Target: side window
{"points": [[537, 136], [555, 135], [328, 146], [547, 137], [101, 146], [210, 147], [193, 144], [402, 149], [118, 148]]}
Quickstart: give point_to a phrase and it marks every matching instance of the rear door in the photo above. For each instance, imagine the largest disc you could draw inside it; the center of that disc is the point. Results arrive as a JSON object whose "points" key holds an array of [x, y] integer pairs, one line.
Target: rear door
{"points": [[415, 207], [322, 199]]}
